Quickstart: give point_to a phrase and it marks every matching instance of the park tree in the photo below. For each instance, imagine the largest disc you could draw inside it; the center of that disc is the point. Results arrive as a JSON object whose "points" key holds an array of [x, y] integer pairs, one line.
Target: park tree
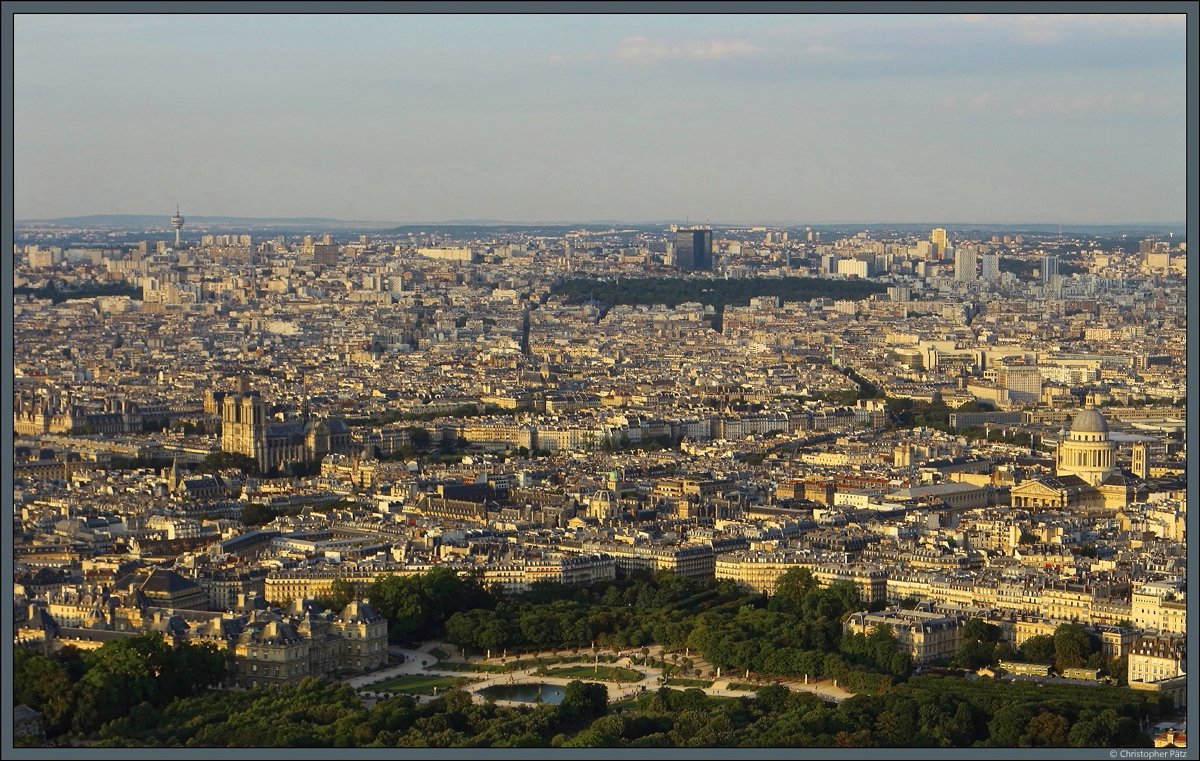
{"points": [[1008, 724], [254, 514], [791, 588], [141, 669], [981, 630], [45, 685], [1072, 646], [972, 654], [419, 437], [978, 645], [1039, 649], [774, 697], [417, 607], [583, 703], [1046, 730], [226, 460], [341, 594]]}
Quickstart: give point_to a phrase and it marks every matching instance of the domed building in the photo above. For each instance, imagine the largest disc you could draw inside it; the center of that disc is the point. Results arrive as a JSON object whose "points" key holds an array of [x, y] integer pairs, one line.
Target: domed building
{"points": [[1087, 451], [603, 506], [1085, 473]]}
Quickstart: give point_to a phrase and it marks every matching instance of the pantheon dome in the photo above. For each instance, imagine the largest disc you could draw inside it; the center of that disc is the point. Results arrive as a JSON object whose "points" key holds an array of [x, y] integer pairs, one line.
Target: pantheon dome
{"points": [[1086, 451]]}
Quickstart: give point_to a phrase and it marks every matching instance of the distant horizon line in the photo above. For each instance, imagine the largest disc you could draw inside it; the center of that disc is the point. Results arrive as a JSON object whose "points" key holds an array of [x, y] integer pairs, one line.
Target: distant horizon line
{"points": [[211, 219]]}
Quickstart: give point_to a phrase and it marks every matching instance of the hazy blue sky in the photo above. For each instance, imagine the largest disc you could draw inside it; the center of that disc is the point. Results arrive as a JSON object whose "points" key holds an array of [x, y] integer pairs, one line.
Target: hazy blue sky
{"points": [[1073, 119]]}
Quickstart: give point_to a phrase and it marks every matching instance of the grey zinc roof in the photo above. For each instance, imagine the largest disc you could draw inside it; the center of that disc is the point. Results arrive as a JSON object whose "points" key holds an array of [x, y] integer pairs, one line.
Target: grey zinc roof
{"points": [[39, 619], [1089, 421], [358, 611], [23, 714], [164, 580]]}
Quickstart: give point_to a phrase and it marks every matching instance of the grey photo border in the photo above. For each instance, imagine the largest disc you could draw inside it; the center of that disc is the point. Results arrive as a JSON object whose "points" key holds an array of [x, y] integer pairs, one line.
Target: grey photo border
{"points": [[905, 7]]}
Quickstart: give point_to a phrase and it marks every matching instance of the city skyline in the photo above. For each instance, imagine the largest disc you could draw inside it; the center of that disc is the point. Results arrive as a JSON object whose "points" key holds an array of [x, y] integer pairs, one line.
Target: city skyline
{"points": [[801, 119], [638, 381], [868, 454]]}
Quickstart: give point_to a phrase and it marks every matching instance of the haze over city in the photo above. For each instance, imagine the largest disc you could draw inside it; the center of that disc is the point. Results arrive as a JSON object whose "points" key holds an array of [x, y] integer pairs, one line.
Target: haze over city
{"points": [[728, 119]]}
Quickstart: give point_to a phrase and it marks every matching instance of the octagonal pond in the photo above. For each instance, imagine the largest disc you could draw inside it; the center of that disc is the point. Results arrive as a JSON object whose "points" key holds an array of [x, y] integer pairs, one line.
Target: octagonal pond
{"points": [[528, 692]]}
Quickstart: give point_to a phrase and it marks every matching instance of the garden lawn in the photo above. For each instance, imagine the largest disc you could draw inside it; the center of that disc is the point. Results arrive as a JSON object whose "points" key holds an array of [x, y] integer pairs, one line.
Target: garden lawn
{"points": [[605, 673], [487, 668], [420, 684]]}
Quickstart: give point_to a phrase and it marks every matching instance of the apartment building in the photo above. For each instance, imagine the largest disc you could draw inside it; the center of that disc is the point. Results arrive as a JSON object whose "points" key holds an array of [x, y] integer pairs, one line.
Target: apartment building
{"points": [[927, 637]]}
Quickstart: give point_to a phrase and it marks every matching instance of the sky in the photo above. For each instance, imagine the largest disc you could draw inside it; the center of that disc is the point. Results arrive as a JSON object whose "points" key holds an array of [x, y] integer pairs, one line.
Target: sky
{"points": [[788, 119]]}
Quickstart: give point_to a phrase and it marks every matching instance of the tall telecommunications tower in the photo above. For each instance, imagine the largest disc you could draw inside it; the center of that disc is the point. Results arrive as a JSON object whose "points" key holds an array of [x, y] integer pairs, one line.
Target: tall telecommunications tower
{"points": [[177, 222]]}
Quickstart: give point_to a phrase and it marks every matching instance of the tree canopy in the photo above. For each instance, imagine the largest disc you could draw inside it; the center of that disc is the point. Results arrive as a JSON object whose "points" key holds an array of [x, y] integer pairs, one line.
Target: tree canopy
{"points": [[927, 711], [83, 691], [141, 691]]}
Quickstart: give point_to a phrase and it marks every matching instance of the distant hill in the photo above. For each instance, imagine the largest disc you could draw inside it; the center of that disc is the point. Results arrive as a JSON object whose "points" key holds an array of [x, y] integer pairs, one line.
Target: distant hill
{"points": [[162, 221], [451, 227], [466, 230], [469, 227]]}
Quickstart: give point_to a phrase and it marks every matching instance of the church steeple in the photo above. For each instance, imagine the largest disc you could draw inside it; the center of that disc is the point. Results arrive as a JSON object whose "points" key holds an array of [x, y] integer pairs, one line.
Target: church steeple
{"points": [[304, 411], [173, 481]]}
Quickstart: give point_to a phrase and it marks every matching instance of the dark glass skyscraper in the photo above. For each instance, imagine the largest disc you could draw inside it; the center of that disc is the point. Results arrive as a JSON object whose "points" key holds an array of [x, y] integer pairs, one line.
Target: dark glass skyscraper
{"points": [[693, 249]]}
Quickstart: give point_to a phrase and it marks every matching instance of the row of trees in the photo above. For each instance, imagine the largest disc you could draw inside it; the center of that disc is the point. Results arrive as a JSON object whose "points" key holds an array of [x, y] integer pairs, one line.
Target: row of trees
{"points": [[84, 290], [908, 413], [255, 514], [798, 632], [417, 607], [461, 411], [926, 712], [625, 613], [718, 293], [1023, 268], [228, 460]]}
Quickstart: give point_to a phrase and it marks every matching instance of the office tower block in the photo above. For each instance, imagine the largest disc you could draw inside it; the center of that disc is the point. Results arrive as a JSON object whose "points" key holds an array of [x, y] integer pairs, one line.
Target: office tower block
{"points": [[693, 249], [325, 254], [1049, 267], [938, 239], [990, 269], [1022, 382], [964, 263]]}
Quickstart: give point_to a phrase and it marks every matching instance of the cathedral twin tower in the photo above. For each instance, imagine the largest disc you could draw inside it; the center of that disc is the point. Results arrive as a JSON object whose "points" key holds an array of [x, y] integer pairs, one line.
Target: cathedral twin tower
{"points": [[245, 429]]}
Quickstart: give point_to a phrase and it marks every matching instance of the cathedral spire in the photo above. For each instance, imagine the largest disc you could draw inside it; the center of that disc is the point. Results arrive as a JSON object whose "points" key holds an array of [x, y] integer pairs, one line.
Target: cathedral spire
{"points": [[304, 411]]}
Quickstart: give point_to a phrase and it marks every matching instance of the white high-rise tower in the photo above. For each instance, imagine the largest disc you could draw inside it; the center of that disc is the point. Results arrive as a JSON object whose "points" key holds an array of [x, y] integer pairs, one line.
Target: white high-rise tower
{"points": [[177, 222]]}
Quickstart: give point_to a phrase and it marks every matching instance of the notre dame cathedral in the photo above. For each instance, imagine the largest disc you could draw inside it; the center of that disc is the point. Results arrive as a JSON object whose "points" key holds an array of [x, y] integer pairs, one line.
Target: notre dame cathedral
{"points": [[246, 430]]}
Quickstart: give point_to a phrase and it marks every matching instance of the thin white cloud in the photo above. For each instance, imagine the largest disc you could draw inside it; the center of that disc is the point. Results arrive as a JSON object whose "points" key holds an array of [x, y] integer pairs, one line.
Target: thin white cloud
{"points": [[568, 58], [1073, 104], [640, 50], [1048, 28], [981, 102]]}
